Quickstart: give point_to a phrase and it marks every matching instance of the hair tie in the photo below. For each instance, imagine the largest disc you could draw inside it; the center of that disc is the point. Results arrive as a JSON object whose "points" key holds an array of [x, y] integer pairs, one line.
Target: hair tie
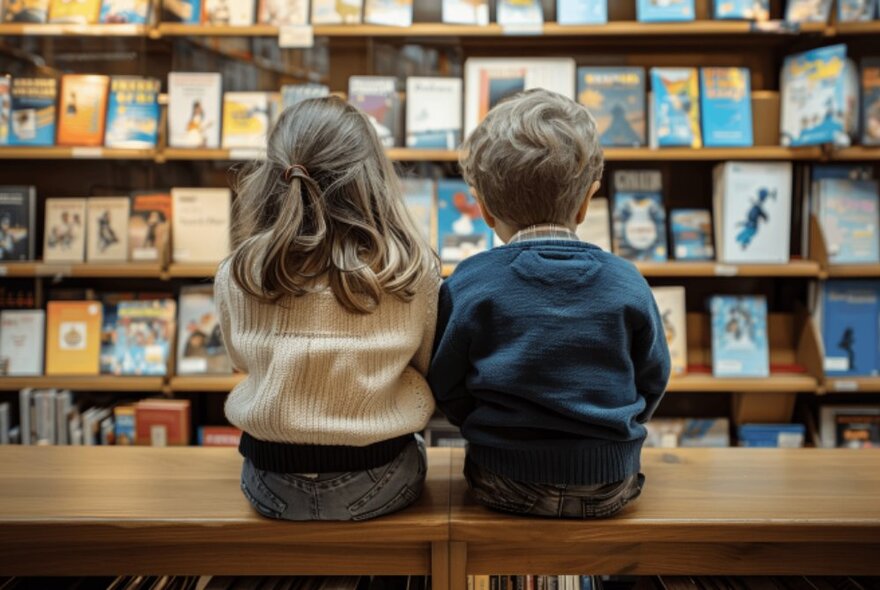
{"points": [[294, 171]]}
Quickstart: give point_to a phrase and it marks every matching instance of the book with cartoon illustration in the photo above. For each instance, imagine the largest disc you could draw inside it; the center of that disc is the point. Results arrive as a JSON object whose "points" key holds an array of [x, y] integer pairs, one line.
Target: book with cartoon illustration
{"points": [[395, 13], [675, 94], [461, 229], [871, 101], [132, 113], [465, 12], [64, 232], [658, 11], [671, 305], [82, 110], [849, 213], [245, 119], [194, 110], [32, 118], [726, 105], [418, 194], [582, 12], [433, 112], [144, 332], [692, 234], [756, 10], [336, 12], [639, 216], [377, 97], [849, 328], [200, 348], [73, 337], [616, 99], [117, 12], [107, 229], [740, 346]]}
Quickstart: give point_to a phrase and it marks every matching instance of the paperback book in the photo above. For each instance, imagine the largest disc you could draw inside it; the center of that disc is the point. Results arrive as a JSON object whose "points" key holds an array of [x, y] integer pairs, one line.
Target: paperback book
{"points": [[581, 12], [466, 12], [132, 113], [850, 427], [149, 227], [135, 12], [807, 11], [162, 422], [871, 102], [237, 13], [596, 228], [740, 346], [185, 11], [124, 426], [26, 11], [144, 332], [79, 12], [33, 111], [849, 213], [194, 110], [109, 317], [616, 99], [200, 225], [377, 97], [726, 103], [82, 111], [654, 11], [849, 328], [64, 233], [336, 12], [108, 229], [756, 10], [283, 13], [18, 224], [418, 194], [433, 112], [790, 436], [519, 12], [73, 337], [21, 341], [692, 234], [245, 119], [200, 348], [676, 107], [850, 11], [669, 433], [671, 305], [460, 225], [639, 216], [292, 94], [395, 13], [5, 108]]}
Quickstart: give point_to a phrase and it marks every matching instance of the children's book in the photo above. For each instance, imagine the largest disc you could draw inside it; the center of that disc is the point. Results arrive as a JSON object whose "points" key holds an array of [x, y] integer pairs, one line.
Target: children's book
{"points": [[33, 111], [124, 427], [581, 12], [149, 227], [80, 12], [73, 337], [658, 11], [616, 99], [82, 111], [162, 422], [639, 216], [377, 97], [726, 104], [185, 11], [200, 226], [245, 119], [740, 346], [433, 112], [18, 226], [144, 332], [336, 12], [132, 113], [676, 108], [26, 11], [5, 108], [292, 94], [21, 341], [596, 228], [849, 212], [466, 12], [64, 233], [395, 13], [850, 427], [849, 328], [671, 305], [136, 12], [461, 228], [692, 234], [871, 101], [756, 10], [194, 110], [238, 13], [519, 12], [850, 11], [789, 436], [807, 11], [281, 13], [109, 307], [200, 348], [813, 97], [418, 193], [108, 229]]}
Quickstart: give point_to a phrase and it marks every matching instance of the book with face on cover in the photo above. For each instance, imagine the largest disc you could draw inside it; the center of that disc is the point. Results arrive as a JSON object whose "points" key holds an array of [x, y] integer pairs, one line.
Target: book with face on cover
{"points": [[596, 228], [200, 224], [581, 12], [194, 110], [80, 12], [433, 112], [395, 13], [281, 13], [18, 205], [336, 12], [671, 304], [82, 110], [33, 111], [245, 119], [616, 99], [73, 337], [465, 12], [132, 113], [237, 13], [108, 229], [740, 347], [21, 341], [149, 227], [64, 233], [639, 216], [460, 225], [377, 97], [200, 348], [26, 11]]}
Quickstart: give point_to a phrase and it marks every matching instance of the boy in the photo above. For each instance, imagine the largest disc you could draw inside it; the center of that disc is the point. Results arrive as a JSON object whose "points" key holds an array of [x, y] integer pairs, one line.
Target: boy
{"points": [[550, 353]]}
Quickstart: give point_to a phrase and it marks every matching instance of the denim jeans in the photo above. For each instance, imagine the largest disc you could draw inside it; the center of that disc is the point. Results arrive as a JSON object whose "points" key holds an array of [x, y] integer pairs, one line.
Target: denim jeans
{"points": [[353, 495], [555, 500]]}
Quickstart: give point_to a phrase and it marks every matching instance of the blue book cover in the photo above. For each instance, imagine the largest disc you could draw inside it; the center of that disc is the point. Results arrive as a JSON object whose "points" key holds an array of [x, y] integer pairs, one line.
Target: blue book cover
{"points": [[726, 104], [807, 11], [418, 194], [132, 113], [639, 216], [582, 12], [33, 111], [757, 10], [843, 171], [109, 365], [772, 435], [849, 11], [616, 99], [134, 12], [461, 229], [659, 11], [871, 101], [849, 328], [813, 97], [850, 216], [692, 234], [144, 332], [676, 109], [740, 347]]}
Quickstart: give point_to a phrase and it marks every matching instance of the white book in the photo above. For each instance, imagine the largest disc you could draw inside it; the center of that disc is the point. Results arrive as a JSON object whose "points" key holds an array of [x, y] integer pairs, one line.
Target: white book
{"points": [[433, 112], [44, 406], [194, 109], [238, 13], [22, 334], [671, 304], [108, 229], [395, 13], [336, 12], [245, 119], [280, 13], [466, 12], [65, 230], [200, 224], [596, 228], [519, 12]]}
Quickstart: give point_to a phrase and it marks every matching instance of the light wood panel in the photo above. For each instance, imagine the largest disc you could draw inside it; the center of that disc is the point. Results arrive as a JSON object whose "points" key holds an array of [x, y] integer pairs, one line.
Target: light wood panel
{"points": [[90, 270], [74, 153], [776, 383], [78, 383], [72, 30], [205, 383], [795, 268]]}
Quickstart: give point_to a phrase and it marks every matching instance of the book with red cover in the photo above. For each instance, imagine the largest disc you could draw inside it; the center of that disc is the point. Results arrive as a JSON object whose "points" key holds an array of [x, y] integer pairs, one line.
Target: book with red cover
{"points": [[162, 422], [219, 436]]}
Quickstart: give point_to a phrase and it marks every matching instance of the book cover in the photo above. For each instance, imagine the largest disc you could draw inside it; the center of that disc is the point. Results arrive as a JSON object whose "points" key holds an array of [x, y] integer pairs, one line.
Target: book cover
{"points": [[292, 94], [109, 316], [395, 13], [21, 341], [676, 98], [33, 111], [283, 13], [107, 229], [519, 12], [336, 12], [596, 228], [73, 337], [149, 227], [245, 119], [726, 105], [668, 433], [489, 80], [639, 216], [671, 305], [26, 11], [162, 422], [18, 205], [377, 97], [194, 110], [200, 224], [462, 232], [64, 233], [200, 348], [79, 12], [465, 12], [616, 99], [134, 12], [582, 12], [772, 435], [739, 337], [418, 194], [813, 97], [219, 436], [658, 11], [871, 102], [132, 113], [756, 10], [237, 13], [807, 11], [125, 430], [850, 427], [185, 11], [82, 110], [849, 328], [849, 212], [433, 112], [850, 11], [144, 332], [692, 234], [5, 108]]}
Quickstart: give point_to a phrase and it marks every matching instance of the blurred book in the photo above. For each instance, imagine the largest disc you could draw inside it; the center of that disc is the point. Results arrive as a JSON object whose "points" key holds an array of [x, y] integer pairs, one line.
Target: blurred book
{"points": [[132, 113], [652, 11], [671, 304], [144, 333], [433, 112], [245, 120], [675, 109], [201, 224], [108, 220], [200, 348], [616, 99], [807, 11], [33, 111], [18, 205], [596, 228], [726, 106], [162, 422], [395, 13], [740, 345], [639, 216], [460, 225], [73, 337], [149, 227], [21, 341], [465, 12], [336, 12], [692, 234], [755, 10], [581, 12], [64, 231], [772, 435], [194, 112], [850, 426]]}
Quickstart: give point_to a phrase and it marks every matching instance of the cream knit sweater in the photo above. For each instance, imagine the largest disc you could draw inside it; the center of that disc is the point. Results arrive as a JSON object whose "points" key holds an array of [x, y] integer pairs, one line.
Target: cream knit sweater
{"points": [[320, 375]]}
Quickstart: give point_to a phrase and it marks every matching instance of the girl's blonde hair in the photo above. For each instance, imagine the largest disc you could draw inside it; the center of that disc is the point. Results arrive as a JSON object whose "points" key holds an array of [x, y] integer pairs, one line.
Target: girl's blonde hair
{"points": [[326, 203]]}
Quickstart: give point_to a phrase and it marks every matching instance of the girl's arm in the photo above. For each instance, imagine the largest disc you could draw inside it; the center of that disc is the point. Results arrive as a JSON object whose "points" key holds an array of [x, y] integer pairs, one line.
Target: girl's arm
{"points": [[224, 319], [422, 359]]}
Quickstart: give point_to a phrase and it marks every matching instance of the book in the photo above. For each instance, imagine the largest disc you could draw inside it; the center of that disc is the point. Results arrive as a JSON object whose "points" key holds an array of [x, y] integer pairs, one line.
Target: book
{"points": [[849, 213], [752, 202], [336, 12], [418, 194], [377, 97], [465, 12], [726, 106], [489, 80], [519, 12], [134, 12], [292, 94], [144, 332], [18, 225], [21, 341], [658, 11], [871, 102], [5, 439], [82, 110], [237, 13], [581, 12], [25, 399], [616, 99], [596, 228], [149, 227], [33, 111], [676, 107], [132, 113], [185, 11], [671, 305], [245, 119], [692, 234], [73, 337], [125, 428], [194, 110], [200, 225], [26, 11], [5, 108], [283, 13], [772, 435], [109, 361], [849, 312], [807, 11], [162, 422], [64, 407], [756, 10], [462, 232], [688, 432], [850, 11], [108, 229], [433, 112], [395, 13], [64, 233], [639, 216], [740, 346], [79, 12], [849, 427], [44, 417], [219, 436], [200, 348]]}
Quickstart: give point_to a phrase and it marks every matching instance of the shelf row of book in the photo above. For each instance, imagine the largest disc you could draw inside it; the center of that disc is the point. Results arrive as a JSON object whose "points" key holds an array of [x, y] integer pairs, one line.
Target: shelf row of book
{"points": [[211, 582]]}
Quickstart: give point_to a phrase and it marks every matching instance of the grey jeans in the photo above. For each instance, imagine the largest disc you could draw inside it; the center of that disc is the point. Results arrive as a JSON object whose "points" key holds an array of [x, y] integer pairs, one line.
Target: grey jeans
{"points": [[353, 495], [554, 500]]}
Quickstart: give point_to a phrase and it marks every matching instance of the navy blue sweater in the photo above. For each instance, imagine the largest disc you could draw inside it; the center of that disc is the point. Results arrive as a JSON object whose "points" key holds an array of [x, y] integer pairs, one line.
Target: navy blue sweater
{"points": [[550, 356]]}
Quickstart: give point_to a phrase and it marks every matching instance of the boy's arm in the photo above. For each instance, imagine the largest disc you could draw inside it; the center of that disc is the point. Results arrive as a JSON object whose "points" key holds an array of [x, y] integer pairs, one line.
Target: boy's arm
{"points": [[650, 355], [449, 365]]}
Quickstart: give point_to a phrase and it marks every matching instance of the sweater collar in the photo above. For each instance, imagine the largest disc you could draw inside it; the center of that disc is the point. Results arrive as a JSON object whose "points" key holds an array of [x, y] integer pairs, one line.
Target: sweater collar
{"points": [[544, 231]]}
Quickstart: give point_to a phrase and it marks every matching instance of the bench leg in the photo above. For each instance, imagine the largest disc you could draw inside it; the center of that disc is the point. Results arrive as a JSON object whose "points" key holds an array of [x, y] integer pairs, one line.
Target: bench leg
{"points": [[458, 566], [440, 566]]}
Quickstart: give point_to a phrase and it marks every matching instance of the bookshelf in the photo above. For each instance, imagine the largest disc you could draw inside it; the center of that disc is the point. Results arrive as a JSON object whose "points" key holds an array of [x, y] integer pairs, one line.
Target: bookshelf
{"points": [[73, 30], [204, 383], [106, 383], [128, 270], [74, 153]]}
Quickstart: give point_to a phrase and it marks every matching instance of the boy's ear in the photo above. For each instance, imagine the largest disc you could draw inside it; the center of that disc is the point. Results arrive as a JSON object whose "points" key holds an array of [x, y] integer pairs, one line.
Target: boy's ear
{"points": [[487, 217], [582, 212]]}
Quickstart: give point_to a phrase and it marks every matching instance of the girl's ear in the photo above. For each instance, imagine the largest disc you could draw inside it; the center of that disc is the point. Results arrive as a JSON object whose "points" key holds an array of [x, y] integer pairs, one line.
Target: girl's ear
{"points": [[487, 217], [582, 212]]}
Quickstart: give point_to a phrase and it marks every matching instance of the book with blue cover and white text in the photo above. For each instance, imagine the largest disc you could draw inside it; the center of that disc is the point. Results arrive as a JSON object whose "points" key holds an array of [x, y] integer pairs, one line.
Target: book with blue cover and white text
{"points": [[849, 327], [807, 11], [726, 104], [849, 212], [756, 10], [658, 11], [692, 234], [461, 230], [581, 12], [676, 107], [740, 346], [639, 216], [132, 113], [814, 97], [616, 99], [33, 111]]}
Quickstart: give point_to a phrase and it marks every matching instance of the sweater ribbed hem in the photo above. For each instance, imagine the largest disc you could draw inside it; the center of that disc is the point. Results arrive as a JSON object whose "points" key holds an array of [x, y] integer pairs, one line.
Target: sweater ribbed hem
{"points": [[604, 463], [296, 458]]}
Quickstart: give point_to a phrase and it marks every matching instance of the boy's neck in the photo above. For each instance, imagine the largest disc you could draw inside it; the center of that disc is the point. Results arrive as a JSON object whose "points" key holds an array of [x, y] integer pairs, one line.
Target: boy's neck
{"points": [[507, 232]]}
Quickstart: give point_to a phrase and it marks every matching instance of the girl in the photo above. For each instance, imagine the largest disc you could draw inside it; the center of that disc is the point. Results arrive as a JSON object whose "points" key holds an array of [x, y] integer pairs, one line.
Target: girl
{"points": [[328, 303]]}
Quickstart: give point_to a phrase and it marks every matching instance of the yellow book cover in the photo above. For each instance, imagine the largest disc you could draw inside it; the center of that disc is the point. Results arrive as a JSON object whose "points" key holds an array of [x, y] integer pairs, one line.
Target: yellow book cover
{"points": [[245, 119], [73, 337], [80, 12], [83, 110]]}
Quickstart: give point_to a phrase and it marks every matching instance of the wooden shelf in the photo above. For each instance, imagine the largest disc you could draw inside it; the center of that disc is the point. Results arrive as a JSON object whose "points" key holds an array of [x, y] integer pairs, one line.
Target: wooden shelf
{"points": [[72, 30], [80, 383], [131, 270], [73, 153], [871, 27], [857, 153], [853, 271], [205, 383], [776, 383], [422, 155], [191, 271], [209, 154], [795, 268], [852, 385], [711, 154]]}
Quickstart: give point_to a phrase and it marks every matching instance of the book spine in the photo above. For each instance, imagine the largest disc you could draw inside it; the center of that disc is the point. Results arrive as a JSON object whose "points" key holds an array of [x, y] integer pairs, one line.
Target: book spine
{"points": [[63, 403], [4, 423], [24, 406], [44, 403]]}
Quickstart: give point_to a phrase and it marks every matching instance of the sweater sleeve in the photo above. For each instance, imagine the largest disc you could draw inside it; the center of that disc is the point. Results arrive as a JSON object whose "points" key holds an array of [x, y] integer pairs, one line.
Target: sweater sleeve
{"points": [[449, 365], [221, 300], [650, 356], [422, 359]]}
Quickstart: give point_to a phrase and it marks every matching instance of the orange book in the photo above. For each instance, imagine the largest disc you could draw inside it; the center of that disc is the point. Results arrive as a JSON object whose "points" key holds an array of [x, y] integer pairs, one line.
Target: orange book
{"points": [[73, 337], [162, 422], [79, 12], [82, 110]]}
